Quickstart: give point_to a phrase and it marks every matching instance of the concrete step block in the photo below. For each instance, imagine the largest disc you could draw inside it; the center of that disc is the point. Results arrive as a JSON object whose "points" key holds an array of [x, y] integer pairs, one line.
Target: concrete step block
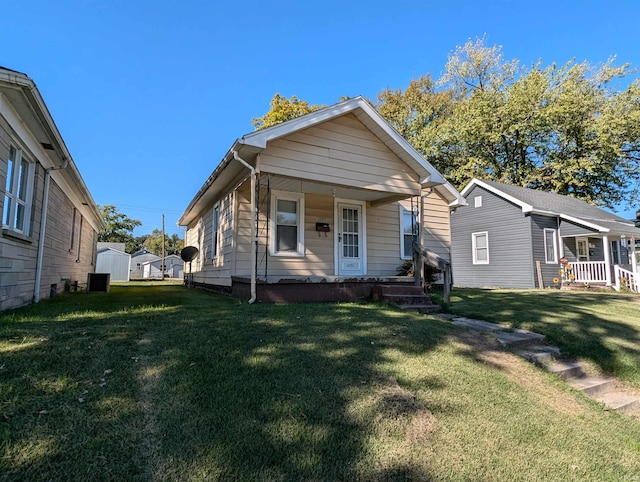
{"points": [[592, 386]]}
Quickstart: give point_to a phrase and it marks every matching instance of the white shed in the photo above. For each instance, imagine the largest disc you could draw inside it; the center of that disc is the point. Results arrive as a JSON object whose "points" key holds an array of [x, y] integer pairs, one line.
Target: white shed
{"points": [[115, 262], [173, 267]]}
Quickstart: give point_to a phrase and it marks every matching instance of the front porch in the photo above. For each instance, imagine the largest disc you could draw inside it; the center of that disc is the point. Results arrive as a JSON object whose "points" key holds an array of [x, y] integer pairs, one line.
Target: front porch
{"points": [[598, 274]]}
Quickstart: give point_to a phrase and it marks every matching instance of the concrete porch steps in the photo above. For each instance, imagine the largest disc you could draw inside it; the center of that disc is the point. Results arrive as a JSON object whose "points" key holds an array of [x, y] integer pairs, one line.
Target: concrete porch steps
{"points": [[530, 346], [406, 297]]}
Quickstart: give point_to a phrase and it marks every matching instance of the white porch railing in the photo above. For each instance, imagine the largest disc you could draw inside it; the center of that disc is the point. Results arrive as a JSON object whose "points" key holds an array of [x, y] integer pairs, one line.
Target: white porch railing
{"points": [[589, 271], [626, 279]]}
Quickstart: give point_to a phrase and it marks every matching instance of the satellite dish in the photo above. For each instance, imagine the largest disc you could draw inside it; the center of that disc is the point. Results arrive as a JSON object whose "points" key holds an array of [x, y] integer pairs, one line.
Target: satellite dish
{"points": [[189, 253]]}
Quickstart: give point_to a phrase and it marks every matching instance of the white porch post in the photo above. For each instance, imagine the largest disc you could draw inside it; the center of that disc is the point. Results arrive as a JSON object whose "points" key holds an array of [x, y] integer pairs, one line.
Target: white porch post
{"points": [[607, 259], [632, 253]]}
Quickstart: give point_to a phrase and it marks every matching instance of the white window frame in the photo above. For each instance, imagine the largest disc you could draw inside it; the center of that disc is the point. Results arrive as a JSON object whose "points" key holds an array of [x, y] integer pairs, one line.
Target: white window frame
{"points": [[287, 196], [477, 202], [73, 229], [403, 212], [555, 246], [215, 231], [586, 244], [11, 194], [474, 251]]}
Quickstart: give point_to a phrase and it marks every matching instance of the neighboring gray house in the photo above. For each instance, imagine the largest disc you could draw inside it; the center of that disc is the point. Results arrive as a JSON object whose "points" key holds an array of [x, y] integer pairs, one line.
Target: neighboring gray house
{"points": [[173, 267], [49, 219], [113, 261], [514, 237], [138, 259]]}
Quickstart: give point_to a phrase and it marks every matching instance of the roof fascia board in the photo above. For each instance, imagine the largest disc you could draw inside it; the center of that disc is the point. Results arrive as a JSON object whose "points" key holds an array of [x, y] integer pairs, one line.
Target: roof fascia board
{"points": [[584, 223]]}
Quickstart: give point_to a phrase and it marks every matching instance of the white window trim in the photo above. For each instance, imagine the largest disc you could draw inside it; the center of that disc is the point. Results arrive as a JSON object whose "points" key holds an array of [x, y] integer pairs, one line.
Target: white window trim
{"points": [[286, 196], [13, 194], [215, 231], [555, 246], [477, 202], [473, 246], [403, 211]]}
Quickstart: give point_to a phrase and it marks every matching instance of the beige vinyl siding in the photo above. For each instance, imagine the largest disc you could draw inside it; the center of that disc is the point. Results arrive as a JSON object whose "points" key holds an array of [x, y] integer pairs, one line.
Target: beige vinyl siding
{"points": [[206, 269], [383, 240], [437, 225], [58, 261], [340, 151]]}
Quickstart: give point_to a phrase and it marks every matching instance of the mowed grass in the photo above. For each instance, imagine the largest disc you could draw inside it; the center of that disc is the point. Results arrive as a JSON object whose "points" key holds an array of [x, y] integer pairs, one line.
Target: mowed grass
{"points": [[154, 382], [602, 328]]}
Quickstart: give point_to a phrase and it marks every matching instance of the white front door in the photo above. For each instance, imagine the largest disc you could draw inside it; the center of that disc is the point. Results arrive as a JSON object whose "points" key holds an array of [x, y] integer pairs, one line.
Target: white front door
{"points": [[582, 245], [350, 239]]}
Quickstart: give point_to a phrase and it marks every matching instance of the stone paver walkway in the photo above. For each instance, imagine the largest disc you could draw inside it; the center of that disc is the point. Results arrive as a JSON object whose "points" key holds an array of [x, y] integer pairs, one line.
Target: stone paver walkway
{"points": [[531, 347]]}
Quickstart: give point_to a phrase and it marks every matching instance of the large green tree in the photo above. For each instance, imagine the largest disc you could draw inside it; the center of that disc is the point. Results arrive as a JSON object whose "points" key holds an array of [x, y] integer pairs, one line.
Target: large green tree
{"points": [[566, 128], [282, 110], [119, 227], [172, 244]]}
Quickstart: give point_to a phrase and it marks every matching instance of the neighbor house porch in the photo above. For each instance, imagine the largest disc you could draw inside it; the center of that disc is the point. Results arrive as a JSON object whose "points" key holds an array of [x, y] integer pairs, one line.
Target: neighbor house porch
{"points": [[600, 260]]}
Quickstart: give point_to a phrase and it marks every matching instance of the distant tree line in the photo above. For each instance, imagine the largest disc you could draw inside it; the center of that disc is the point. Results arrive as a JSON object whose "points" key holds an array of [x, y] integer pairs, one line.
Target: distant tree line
{"points": [[119, 229], [566, 128]]}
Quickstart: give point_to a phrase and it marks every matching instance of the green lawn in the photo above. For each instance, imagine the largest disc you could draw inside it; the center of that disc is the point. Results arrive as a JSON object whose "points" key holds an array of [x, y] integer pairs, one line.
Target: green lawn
{"points": [[152, 382], [602, 328]]}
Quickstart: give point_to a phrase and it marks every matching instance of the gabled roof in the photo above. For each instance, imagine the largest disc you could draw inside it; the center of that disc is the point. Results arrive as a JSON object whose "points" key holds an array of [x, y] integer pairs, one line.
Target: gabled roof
{"points": [[25, 100], [253, 143], [552, 204]]}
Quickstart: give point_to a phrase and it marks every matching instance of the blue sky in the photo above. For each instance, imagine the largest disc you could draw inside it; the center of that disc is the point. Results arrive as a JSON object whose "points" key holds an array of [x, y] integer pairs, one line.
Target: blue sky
{"points": [[150, 94]]}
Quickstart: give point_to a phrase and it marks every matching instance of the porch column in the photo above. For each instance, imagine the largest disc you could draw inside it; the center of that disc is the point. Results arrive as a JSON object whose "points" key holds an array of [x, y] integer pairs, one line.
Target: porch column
{"points": [[632, 253], [607, 259]]}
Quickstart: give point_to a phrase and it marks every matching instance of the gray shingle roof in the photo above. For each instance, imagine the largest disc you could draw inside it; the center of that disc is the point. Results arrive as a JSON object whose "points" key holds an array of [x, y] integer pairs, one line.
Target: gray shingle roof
{"points": [[565, 205]]}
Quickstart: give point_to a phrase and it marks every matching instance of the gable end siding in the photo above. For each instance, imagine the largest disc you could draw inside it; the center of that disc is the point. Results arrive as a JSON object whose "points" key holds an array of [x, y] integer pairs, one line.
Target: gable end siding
{"points": [[509, 235]]}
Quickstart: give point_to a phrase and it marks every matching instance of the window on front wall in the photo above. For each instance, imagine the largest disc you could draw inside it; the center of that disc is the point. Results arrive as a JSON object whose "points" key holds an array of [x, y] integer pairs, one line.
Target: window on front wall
{"points": [[287, 217], [408, 232], [18, 192], [480, 247], [550, 246], [215, 231]]}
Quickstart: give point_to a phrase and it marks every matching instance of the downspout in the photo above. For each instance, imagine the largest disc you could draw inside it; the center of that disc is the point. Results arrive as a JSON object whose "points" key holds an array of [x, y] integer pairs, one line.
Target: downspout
{"points": [[43, 223], [253, 223]]}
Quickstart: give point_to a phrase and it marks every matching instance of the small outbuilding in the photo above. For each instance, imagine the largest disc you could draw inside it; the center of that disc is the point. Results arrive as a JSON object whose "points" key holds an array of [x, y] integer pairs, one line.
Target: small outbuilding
{"points": [[115, 262]]}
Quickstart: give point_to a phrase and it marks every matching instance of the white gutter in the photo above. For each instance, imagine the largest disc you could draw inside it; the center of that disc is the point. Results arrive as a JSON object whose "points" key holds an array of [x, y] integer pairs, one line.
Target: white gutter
{"points": [[253, 223], [43, 224]]}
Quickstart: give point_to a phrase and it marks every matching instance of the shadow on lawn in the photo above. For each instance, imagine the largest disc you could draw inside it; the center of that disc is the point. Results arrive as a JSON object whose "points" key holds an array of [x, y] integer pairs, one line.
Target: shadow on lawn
{"points": [[173, 384], [587, 325]]}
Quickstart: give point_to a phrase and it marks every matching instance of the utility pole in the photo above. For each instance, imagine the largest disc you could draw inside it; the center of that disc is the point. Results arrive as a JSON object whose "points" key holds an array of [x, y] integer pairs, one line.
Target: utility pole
{"points": [[163, 246]]}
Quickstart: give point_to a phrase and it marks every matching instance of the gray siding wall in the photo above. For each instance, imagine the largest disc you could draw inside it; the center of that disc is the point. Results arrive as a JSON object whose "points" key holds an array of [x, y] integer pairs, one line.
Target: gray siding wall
{"points": [[548, 270], [596, 249], [571, 229], [509, 233]]}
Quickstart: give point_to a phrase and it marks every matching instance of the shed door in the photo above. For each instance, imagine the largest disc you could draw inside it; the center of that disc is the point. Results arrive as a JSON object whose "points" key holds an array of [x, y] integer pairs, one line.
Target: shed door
{"points": [[350, 245]]}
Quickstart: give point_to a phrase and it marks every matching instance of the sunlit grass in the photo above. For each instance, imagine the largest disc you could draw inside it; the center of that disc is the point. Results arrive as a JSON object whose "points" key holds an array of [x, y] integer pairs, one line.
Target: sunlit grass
{"points": [[155, 382], [602, 328]]}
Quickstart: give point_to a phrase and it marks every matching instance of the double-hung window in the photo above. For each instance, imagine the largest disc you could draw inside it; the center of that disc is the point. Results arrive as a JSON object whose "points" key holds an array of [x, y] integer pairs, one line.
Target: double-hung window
{"points": [[408, 232], [287, 229], [550, 246], [480, 247], [18, 192]]}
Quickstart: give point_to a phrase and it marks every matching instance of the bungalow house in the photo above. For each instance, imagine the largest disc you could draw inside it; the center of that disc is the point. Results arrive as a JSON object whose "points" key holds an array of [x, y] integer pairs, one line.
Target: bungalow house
{"points": [[49, 219], [322, 207], [515, 237]]}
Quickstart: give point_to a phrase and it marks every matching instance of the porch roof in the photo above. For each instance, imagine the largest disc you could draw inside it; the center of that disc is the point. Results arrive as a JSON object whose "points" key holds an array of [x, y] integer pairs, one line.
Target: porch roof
{"points": [[565, 207]]}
